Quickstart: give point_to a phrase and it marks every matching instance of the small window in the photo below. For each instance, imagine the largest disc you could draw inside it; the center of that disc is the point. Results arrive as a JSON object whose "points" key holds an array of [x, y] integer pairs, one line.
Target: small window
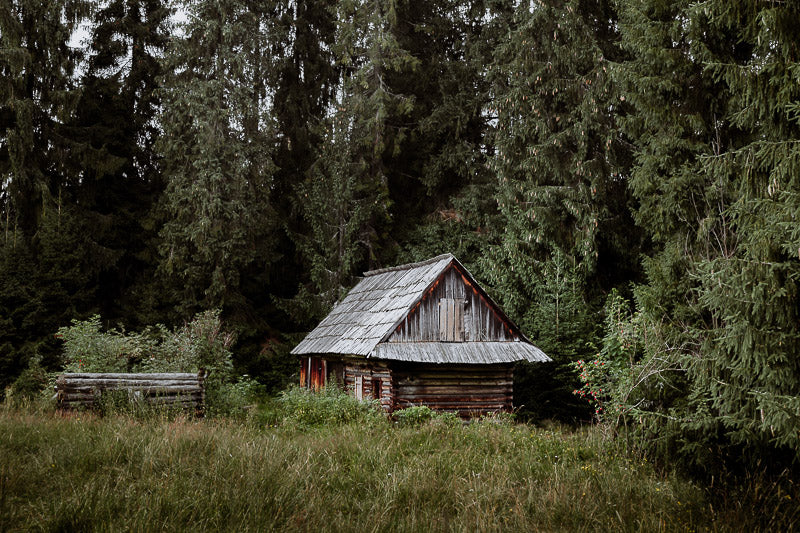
{"points": [[451, 320]]}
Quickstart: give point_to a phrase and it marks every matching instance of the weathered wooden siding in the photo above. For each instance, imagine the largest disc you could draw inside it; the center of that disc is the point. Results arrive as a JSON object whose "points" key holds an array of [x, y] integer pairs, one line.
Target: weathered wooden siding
{"points": [[313, 372], [480, 322], [469, 390]]}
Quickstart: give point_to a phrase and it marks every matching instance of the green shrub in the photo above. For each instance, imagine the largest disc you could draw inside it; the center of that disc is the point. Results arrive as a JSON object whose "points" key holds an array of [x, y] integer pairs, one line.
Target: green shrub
{"points": [[414, 415], [446, 418], [330, 406], [417, 415], [30, 384], [201, 343], [500, 419], [607, 381], [234, 398]]}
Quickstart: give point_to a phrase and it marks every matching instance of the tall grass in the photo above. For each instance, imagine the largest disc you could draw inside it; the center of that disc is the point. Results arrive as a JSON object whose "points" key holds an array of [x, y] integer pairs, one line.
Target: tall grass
{"points": [[82, 472]]}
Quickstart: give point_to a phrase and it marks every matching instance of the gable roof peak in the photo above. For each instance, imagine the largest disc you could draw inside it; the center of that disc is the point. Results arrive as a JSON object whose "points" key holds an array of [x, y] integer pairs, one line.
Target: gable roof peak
{"points": [[409, 266]]}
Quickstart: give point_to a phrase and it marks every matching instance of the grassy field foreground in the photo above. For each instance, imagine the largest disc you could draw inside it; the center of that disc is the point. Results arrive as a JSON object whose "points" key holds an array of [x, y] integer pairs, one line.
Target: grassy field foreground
{"points": [[81, 472]]}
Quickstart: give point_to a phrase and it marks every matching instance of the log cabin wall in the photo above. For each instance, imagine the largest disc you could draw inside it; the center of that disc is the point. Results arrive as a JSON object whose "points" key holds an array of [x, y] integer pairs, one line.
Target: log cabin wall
{"points": [[368, 379], [435, 318], [363, 379], [469, 390]]}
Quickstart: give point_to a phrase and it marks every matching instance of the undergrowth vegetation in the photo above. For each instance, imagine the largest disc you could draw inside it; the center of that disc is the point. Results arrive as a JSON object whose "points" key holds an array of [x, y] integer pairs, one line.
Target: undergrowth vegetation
{"points": [[290, 466], [204, 343], [330, 406], [422, 414]]}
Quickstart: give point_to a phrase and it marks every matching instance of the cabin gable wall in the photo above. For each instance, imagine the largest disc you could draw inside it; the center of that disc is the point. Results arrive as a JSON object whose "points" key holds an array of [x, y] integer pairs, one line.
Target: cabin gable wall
{"points": [[452, 311]]}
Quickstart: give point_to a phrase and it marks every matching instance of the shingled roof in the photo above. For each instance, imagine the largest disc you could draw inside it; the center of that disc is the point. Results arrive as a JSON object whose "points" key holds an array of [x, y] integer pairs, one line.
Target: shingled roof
{"points": [[372, 310]]}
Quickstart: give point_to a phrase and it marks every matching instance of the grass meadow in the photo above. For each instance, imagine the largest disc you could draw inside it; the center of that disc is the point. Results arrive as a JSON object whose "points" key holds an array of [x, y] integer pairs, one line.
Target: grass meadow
{"points": [[82, 472]]}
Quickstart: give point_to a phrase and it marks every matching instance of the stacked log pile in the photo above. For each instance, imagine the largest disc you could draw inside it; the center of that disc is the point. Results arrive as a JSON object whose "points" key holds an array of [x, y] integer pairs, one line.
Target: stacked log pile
{"points": [[184, 390]]}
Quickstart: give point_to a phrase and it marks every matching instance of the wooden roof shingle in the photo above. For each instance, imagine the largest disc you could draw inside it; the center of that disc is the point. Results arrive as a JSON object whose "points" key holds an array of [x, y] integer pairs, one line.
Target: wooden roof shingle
{"points": [[371, 311], [461, 352], [372, 308]]}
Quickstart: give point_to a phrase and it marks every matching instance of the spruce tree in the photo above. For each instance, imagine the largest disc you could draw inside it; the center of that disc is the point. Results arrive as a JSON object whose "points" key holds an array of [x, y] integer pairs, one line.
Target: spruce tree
{"points": [[561, 160], [561, 167], [216, 148], [305, 82], [117, 117], [342, 207], [751, 381], [676, 104], [441, 187], [716, 130], [43, 263], [38, 94], [344, 199], [415, 95]]}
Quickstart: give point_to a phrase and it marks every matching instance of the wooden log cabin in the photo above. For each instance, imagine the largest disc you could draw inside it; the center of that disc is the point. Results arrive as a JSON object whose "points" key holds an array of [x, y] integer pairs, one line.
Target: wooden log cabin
{"points": [[419, 334]]}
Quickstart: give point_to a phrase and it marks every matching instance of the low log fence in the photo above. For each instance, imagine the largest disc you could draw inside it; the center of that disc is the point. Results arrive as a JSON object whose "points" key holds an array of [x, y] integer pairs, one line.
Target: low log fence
{"points": [[185, 390]]}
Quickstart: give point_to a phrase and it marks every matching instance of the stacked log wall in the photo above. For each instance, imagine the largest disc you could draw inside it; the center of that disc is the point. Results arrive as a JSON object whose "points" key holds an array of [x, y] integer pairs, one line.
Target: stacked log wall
{"points": [[370, 371], [173, 389], [469, 390]]}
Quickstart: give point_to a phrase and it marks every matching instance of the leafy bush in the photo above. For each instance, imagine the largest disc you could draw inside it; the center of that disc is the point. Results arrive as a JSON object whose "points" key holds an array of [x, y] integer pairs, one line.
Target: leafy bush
{"points": [[414, 415], [233, 398], [32, 385], [329, 407], [199, 344], [417, 415], [606, 379], [88, 349]]}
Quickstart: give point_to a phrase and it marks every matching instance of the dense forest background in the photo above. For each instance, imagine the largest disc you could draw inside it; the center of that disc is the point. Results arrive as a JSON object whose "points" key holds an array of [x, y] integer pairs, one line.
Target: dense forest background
{"points": [[622, 175]]}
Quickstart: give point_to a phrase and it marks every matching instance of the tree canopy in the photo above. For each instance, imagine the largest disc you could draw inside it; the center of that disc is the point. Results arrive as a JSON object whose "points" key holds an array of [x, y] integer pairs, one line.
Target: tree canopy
{"points": [[621, 174]]}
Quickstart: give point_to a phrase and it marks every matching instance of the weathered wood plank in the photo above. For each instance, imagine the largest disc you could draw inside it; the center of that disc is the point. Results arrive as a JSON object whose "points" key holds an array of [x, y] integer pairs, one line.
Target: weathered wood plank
{"points": [[445, 388], [460, 383], [474, 321], [179, 389], [463, 408], [468, 374], [132, 376], [469, 390], [106, 383]]}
